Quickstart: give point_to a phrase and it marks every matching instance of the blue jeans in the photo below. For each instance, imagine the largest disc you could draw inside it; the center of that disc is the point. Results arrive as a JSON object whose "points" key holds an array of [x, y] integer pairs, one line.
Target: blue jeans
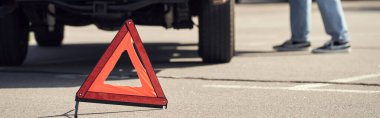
{"points": [[332, 15]]}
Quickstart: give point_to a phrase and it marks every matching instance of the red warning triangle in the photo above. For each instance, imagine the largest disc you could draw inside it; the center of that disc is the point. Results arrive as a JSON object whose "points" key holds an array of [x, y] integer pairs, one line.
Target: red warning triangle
{"points": [[94, 89]]}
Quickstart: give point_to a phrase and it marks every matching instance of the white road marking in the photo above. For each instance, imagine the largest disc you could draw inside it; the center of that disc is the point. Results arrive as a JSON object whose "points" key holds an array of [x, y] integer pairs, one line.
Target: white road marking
{"points": [[342, 91], [241, 87], [291, 88], [309, 87], [343, 80], [357, 78]]}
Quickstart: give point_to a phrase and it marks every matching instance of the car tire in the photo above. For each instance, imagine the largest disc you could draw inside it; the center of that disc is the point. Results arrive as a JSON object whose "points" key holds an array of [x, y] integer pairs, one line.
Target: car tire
{"points": [[14, 34], [216, 31], [46, 38]]}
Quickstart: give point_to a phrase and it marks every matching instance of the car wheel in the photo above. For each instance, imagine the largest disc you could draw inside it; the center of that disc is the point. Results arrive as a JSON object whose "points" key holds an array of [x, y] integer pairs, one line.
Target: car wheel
{"points": [[49, 38], [217, 31], [14, 34]]}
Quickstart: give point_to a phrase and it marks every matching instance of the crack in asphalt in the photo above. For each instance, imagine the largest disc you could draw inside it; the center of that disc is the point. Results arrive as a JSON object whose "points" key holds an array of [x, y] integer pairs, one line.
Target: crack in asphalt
{"points": [[38, 71], [274, 81], [213, 79]]}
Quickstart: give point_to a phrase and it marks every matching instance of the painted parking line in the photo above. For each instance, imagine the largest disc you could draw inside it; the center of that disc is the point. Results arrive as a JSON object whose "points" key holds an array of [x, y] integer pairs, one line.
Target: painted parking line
{"points": [[291, 89], [309, 87], [343, 80]]}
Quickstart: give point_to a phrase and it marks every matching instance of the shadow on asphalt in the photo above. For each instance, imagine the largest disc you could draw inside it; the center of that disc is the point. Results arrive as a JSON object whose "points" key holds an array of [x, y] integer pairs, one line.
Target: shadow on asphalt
{"points": [[373, 9], [101, 113], [68, 66], [269, 53]]}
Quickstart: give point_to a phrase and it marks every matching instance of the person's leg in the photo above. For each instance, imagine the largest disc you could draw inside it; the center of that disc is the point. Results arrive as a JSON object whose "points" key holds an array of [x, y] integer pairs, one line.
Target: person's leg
{"points": [[335, 26], [300, 26], [300, 11], [333, 19]]}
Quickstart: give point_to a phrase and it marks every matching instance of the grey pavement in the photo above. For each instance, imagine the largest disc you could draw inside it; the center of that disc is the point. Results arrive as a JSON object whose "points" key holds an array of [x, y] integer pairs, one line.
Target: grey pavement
{"points": [[258, 82]]}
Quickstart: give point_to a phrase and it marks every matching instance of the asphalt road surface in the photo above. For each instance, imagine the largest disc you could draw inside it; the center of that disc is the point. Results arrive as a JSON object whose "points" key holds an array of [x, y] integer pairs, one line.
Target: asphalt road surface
{"points": [[258, 82]]}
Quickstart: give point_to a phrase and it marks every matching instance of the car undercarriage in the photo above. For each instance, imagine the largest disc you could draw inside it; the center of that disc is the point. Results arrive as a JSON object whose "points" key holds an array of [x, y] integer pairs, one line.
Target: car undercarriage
{"points": [[47, 18]]}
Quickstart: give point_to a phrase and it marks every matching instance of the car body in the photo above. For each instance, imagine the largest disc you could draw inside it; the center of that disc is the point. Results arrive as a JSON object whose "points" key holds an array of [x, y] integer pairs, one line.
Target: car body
{"points": [[47, 18]]}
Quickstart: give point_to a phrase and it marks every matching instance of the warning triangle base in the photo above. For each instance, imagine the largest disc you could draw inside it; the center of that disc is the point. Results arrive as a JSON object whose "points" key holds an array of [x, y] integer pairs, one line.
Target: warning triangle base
{"points": [[157, 100]]}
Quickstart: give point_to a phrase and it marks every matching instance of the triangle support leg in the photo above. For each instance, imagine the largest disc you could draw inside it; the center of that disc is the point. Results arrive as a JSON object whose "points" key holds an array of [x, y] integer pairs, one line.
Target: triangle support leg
{"points": [[76, 109]]}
